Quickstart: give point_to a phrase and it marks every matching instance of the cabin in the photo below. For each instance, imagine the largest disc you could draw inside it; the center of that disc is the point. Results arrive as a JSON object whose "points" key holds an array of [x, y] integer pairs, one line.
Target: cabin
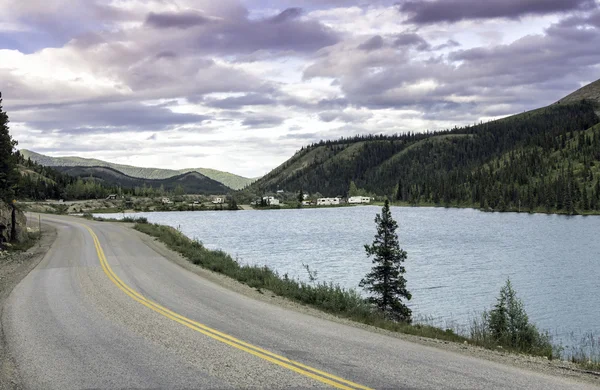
{"points": [[359, 199], [218, 200], [271, 200], [111, 197], [328, 201]]}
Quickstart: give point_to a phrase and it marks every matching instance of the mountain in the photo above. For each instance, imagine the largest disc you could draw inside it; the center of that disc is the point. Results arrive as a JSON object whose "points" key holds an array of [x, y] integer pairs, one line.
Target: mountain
{"points": [[190, 182], [543, 160], [229, 179], [589, 92]]}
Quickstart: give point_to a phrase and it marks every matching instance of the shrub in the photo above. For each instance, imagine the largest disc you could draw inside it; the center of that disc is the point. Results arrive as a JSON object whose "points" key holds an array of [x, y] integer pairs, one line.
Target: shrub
{"points": [[507, 325]]}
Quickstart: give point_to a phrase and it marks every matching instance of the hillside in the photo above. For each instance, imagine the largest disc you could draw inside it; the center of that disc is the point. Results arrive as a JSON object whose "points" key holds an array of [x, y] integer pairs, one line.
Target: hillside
{"points": [[543, 160], [589, 92], [228, 179], [190, 182]]}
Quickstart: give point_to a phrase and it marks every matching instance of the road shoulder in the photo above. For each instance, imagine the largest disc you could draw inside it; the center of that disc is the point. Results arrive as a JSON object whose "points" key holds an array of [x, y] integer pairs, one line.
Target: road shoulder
{"points": [[562, 369], [13, 269]]}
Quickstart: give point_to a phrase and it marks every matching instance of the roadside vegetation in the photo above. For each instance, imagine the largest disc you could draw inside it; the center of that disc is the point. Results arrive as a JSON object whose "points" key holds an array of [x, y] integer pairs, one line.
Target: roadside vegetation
{"points": [[327, 297], [507, 326]]}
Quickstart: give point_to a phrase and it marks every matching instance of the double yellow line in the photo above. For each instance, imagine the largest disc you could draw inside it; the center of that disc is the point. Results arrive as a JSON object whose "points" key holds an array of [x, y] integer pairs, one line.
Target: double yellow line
{"points": [[282, 361]]}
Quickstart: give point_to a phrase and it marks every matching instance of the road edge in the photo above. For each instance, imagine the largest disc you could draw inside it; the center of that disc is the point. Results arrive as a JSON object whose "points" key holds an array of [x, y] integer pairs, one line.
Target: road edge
{"points": [[11, 274]]}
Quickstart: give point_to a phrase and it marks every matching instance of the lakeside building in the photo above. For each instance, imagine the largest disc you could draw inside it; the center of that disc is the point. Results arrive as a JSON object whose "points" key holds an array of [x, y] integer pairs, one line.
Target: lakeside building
{"points": [[218, 200], [328, 201], [359, 199], [271, 200]]}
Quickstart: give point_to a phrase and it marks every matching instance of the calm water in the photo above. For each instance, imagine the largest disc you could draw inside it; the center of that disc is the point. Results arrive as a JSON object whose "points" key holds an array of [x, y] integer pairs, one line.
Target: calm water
{"points": [[457, 258]]}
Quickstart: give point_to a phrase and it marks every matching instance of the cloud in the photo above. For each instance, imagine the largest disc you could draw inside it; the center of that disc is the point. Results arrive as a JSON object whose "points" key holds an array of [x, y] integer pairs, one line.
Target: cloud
{"points": [[436, 11], [373, 43], [182, 20], [345, 116], [252, 99], [260, 121], [411, 39], [288, 14], [104, 118]]}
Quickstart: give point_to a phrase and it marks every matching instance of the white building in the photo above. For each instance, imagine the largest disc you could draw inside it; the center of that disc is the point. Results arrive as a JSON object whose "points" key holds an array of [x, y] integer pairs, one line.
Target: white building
{"points": [[327, 201], [271, 200], [359, 199], [166, 201], [218, 200]]}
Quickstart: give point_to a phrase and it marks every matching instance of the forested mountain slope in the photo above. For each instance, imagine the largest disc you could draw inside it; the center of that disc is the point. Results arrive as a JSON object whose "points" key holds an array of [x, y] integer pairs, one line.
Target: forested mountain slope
{"points": [[229, 179], [189, 183], [543, 160]]}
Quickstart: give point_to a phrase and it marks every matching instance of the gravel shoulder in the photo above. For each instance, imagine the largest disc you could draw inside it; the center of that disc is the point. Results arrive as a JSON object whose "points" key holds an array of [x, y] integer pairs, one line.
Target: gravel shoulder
{"points": [[13, 268], [557, 368]]}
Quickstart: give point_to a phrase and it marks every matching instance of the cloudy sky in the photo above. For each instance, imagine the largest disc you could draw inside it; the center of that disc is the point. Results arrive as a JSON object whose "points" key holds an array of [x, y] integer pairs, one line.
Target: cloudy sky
{"points": [[241, 85]]}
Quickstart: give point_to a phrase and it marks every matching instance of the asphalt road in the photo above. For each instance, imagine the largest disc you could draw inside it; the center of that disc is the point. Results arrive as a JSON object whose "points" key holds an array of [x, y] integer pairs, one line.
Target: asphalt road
{"points": [[104, 310]]}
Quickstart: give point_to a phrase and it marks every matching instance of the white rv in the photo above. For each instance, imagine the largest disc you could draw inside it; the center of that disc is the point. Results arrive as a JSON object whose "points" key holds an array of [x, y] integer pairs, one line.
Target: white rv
{"points": [[359, 199], [328, 201]]}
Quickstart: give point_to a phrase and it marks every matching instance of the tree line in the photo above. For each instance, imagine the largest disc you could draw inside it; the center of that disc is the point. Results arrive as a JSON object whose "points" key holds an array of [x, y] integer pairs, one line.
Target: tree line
{"points": [[547, 159]]}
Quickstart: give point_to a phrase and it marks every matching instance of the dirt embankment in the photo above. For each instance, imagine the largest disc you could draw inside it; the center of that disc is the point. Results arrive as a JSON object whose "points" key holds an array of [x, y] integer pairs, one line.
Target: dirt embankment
{"points": [[13, 268]]}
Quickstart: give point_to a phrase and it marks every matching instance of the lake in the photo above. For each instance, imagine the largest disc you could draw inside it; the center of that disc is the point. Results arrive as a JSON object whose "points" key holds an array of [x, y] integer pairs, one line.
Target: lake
{"points": [[458, 259]]}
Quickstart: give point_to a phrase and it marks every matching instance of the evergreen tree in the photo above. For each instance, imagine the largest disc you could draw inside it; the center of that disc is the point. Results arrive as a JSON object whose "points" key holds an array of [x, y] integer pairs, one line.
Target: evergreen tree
{"points": [[352, 190], [301, 196], [9, 176], [386, 281]]}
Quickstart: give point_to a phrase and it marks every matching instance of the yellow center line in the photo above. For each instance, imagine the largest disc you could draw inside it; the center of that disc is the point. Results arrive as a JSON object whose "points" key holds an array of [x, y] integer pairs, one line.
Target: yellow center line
{"points": [[282, 361]]}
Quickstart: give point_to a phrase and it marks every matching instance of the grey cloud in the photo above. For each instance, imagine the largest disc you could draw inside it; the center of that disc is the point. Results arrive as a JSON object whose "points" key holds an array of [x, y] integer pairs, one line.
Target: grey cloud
{"points": [[166, 54], [484, 81], [328, 104], [288, 14], [181, 20], [328, 116], [373, 43], [451, 43], [411, 39], [105, 118], [262, 121], [252, 99], [348, 117], [428, 12], [237, 34], [303, 136]]}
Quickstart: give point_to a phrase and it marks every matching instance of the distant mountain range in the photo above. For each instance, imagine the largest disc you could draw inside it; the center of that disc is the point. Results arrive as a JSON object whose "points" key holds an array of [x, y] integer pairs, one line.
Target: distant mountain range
{"points": [[543, 160], [191, 182], [229, 180]]}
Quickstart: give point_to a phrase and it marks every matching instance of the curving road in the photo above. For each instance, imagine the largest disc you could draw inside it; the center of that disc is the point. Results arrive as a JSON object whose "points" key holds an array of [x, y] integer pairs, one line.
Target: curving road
{"points": [[104, 310]]}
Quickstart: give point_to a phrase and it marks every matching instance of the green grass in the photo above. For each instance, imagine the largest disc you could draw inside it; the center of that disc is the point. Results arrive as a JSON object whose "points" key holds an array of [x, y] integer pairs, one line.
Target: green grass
{"points": [[328, 297]]}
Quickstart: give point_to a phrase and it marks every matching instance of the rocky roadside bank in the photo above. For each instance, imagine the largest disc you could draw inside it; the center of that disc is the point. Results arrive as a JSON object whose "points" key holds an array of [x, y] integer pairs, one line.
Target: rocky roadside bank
{"points": [[13, 268]]}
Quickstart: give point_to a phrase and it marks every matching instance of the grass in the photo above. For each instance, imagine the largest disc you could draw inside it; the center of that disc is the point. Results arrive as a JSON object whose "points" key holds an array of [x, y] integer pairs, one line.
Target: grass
{"points": [[29, 242], [328, 297], [90, 216]]}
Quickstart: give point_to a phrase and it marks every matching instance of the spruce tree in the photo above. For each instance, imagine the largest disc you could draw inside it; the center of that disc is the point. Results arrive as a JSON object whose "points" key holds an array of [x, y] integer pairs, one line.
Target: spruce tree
{"points": [[9, 175], [386, 282]]}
